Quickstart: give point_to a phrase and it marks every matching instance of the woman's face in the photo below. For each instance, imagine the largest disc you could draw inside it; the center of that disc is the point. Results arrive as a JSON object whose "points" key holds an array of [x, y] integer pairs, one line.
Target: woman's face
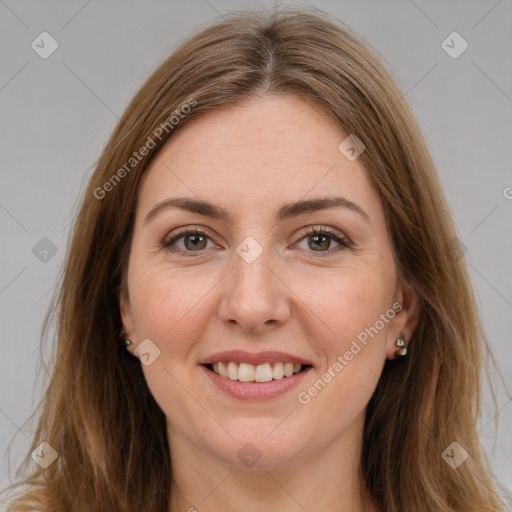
{"points": [[257, 279]]}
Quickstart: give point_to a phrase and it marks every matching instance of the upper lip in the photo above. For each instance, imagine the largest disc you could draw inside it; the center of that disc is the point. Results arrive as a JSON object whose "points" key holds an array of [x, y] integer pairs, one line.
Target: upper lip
{"points": [[240, 356]]}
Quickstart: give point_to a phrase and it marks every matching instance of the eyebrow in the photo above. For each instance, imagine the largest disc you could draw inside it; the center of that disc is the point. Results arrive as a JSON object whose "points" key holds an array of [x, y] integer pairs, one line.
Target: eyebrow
{"points": [[287, 211]]}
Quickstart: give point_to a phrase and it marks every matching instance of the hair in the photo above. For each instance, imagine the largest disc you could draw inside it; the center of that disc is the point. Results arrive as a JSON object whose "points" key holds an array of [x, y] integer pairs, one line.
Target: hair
{"points": [[97, 406]]}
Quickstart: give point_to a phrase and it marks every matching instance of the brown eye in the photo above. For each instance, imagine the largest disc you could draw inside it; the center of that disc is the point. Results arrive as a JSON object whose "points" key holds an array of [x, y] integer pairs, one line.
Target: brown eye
{"points": [[320, 241], [194, 240]]}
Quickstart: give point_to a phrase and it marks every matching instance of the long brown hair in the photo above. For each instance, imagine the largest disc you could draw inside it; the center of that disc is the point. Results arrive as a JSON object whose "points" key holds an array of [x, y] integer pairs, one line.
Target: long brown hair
{"points": [[98, 413]]}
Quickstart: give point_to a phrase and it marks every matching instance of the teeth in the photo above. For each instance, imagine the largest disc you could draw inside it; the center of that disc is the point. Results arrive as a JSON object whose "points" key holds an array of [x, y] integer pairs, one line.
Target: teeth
{"points": [[233, 371], [223, 369], [245, 372], [278, 371], [262, 372]]}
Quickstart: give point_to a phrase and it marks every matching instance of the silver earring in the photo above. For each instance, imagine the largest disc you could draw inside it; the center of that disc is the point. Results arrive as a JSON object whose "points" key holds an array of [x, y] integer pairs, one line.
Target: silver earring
{"points": [[402, 346], [127, 342]]}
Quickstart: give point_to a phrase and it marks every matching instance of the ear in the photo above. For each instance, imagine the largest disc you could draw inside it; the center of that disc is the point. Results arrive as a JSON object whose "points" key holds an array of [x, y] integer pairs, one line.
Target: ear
{"points": [[408, 309], [125, 309]]}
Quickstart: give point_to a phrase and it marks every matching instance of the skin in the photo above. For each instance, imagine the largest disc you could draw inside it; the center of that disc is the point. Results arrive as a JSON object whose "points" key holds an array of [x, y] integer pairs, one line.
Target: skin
{"points": [[250, 159]]}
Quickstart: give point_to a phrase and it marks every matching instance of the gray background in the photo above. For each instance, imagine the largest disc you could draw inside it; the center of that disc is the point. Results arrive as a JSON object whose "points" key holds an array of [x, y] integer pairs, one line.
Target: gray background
{"points": [[58, 112]]}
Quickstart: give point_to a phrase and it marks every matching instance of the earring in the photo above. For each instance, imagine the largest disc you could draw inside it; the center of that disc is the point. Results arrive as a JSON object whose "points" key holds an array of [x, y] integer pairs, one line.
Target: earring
{"points": [[126, 342], [400, 342]]}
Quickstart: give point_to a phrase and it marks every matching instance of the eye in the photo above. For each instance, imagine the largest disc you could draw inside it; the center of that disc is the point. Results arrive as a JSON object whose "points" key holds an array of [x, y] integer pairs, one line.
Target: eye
{"points": [[194, 240], [319, 239]]}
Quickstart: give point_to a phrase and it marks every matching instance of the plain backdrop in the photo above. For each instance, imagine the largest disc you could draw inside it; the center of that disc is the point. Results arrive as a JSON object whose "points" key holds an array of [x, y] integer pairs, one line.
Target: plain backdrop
{"points": [[57, 113]]}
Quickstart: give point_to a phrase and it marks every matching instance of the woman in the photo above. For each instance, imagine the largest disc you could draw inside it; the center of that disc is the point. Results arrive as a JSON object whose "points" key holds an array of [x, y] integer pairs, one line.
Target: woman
{"points": [[261, 307]]}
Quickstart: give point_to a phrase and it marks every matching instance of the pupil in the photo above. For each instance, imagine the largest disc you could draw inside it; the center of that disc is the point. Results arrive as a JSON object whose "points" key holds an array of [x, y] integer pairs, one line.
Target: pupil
{"points": [[324, 238], [195, 243]]}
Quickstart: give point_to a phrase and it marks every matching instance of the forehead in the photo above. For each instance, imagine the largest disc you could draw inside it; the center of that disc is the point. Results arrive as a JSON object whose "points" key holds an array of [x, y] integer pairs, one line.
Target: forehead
{"points": [[284, 127], [272, 148]]}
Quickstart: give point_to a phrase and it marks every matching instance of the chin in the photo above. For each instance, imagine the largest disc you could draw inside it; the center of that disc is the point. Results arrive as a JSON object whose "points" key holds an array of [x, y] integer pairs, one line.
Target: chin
{"points": [[260, 449]]}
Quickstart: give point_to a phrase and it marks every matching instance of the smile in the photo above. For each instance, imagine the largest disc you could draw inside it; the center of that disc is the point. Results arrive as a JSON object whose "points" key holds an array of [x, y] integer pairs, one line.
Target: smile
{"points": [[245, 372], [251, 389]]}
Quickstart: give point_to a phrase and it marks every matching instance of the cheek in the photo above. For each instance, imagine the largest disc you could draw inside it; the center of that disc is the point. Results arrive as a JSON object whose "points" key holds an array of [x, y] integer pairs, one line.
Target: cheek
{"points": [[353, 354], [346, 303], [169, 309], [162, 299], [360, 305], [348, 324], [172, 309]]}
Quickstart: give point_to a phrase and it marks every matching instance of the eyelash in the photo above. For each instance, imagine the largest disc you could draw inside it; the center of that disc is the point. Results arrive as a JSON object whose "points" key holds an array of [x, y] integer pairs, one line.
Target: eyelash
{"points": [[344, 243]]}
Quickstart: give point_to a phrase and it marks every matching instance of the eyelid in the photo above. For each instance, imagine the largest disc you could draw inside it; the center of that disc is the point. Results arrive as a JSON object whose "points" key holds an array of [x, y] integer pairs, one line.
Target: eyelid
{"points": [[313, 229]]}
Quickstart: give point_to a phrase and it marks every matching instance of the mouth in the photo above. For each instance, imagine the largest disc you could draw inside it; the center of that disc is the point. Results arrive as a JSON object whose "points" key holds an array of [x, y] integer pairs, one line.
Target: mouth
{"points": [[265, 372], [255, 383]]}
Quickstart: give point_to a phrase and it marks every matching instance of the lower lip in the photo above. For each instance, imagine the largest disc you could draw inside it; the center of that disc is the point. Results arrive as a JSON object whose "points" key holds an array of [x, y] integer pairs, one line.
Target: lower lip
{"points": [[254, 391]]}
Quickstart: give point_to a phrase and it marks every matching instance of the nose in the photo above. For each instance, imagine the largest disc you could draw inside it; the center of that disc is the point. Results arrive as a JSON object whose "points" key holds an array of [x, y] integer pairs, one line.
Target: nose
{"points": [[254, 298]]}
